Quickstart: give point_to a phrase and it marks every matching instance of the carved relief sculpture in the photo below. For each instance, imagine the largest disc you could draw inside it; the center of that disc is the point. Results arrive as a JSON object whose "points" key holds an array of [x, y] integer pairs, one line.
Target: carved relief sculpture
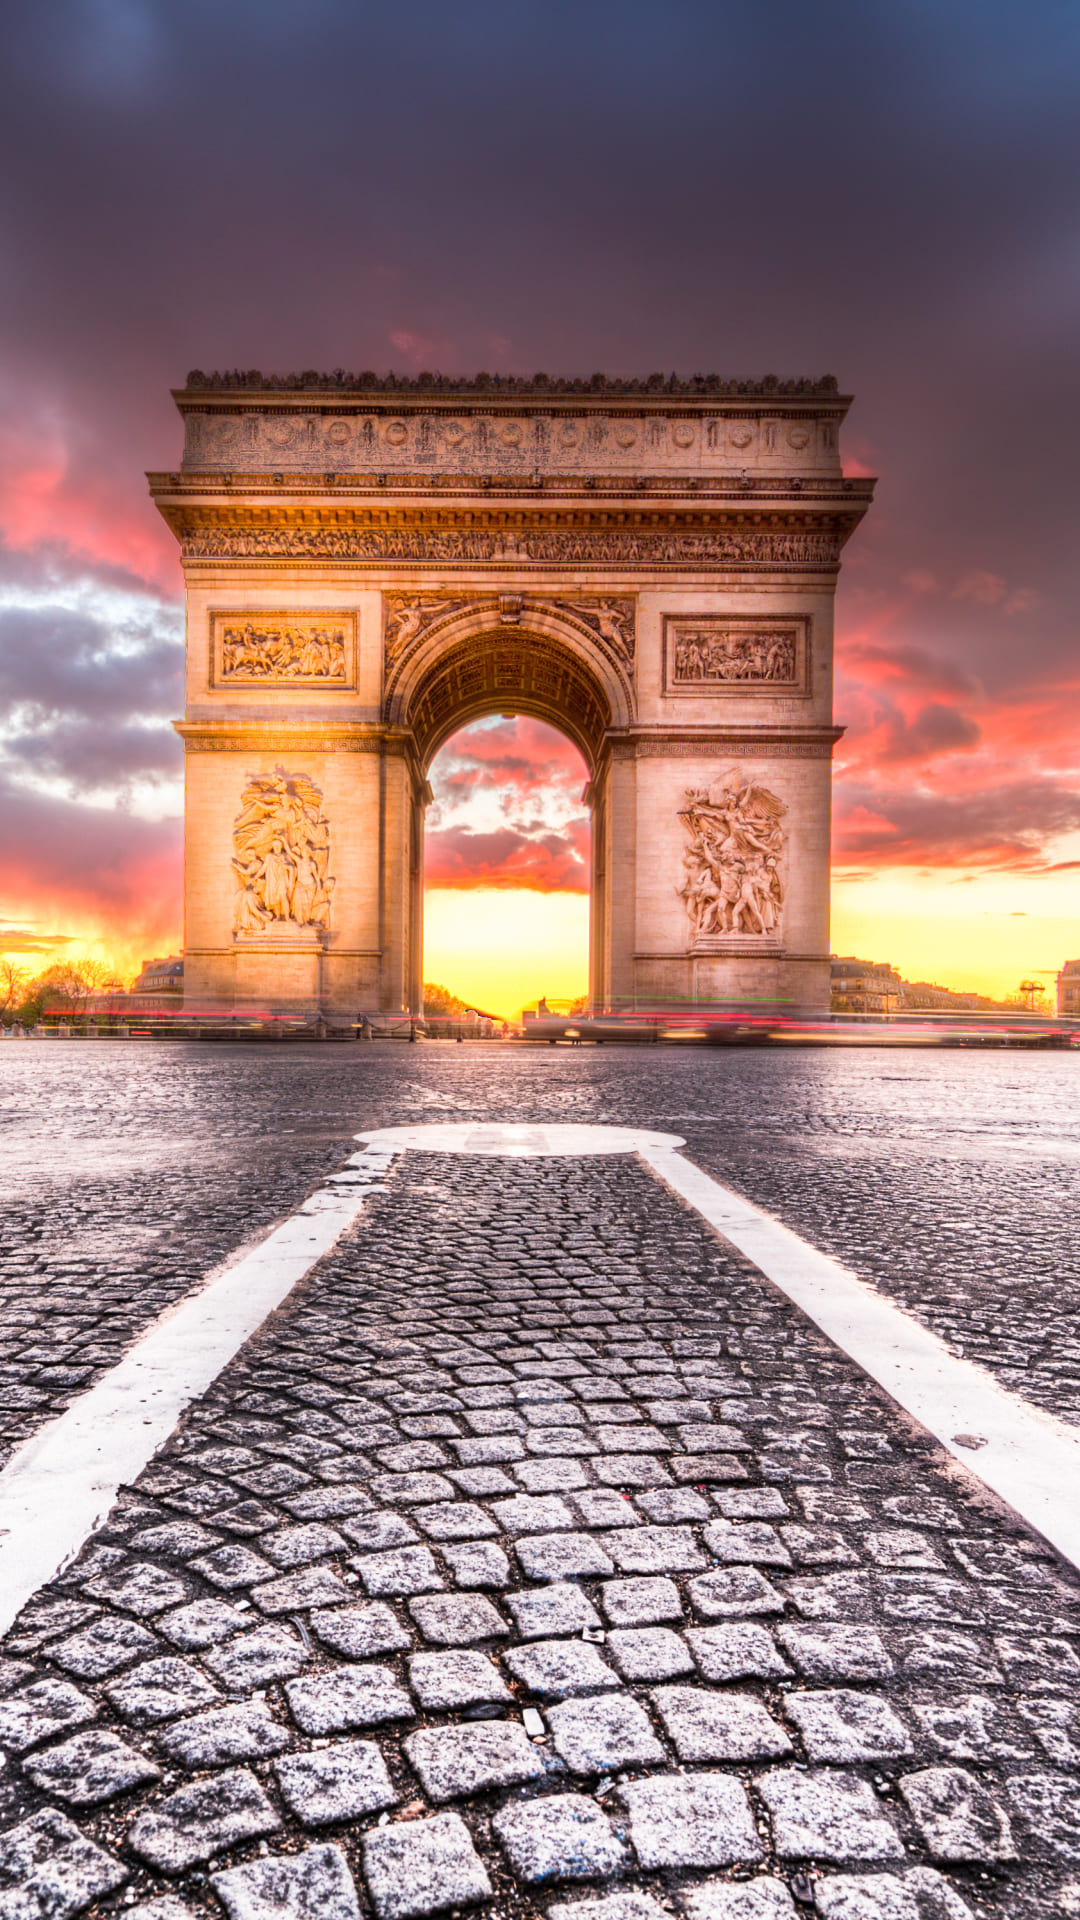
{"points": [[721, 548], [292, 648], [281, 853], [611, 619], [742, 655], [721, 654], [732, 865], [408, 615]]}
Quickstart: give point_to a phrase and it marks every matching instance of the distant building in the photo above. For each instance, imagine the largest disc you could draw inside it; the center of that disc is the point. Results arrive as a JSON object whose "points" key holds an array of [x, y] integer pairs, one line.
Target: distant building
{"points": [[873, 986], [864, 986], [161, 976], [925, 996], [1068, 989]]}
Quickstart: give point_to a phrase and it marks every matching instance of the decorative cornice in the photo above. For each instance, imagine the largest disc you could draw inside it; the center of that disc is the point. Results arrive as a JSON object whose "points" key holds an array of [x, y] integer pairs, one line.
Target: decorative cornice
{"points": [[438, 386], [741, 743], [268, 736]]}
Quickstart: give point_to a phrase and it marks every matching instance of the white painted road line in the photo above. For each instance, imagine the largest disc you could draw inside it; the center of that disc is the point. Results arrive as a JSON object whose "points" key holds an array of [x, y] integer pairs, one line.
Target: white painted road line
{"points": [[1027, 1457], [59, 1485], [526, 1140]]}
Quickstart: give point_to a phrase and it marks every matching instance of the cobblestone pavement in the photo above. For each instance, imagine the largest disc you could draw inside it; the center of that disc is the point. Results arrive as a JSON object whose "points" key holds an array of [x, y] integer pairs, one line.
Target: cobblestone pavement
{"points": [[129, 1173], [537, 1557]]}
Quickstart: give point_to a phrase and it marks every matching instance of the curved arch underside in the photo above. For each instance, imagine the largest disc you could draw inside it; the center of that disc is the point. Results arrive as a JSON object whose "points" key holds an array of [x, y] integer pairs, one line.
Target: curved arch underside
{"points": [[509, 671]]}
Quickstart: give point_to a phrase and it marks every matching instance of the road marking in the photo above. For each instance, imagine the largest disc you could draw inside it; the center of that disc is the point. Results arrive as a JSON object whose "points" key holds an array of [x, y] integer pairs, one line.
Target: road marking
{"points": [[527, 1140], [1030, 1459], [59, 1485]]}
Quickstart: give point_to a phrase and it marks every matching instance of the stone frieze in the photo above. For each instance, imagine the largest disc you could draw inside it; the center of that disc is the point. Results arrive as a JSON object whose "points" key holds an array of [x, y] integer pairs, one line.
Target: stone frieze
{"points": [[726, 548]]}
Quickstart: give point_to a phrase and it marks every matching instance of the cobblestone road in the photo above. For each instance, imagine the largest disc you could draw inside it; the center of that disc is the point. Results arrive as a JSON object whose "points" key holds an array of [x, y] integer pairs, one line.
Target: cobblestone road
{"points": [[537, 1557], [952, 1181]]}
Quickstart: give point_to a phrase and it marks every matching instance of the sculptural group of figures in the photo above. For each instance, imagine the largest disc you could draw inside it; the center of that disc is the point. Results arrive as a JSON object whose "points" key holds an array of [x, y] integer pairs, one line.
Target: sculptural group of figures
{"points": [[285, 653], [732, 878], [281, 852], [735, 655]]}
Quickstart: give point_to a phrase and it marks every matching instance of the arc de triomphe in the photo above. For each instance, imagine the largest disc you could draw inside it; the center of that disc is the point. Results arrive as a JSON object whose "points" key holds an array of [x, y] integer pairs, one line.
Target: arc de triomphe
{"points": [[648, 565]]}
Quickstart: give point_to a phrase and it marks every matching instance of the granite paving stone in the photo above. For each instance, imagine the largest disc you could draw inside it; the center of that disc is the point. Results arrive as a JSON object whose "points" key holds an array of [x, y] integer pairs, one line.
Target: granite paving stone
{"points": [[655, 1550], [103, 1647], [352, 1696], [377, 1532], [730, 1592], [422, 1867], [695, 1820], [479, 1565], [917, 1894], [408, 1570], [200, 1624], [836, 1652], [458, 1620], [311, 1587], [453, 1761], [198, 1821], [827, 1817], [957, 1816], [630, 1905], [313, 1885], [90, 1768], [563, 1837], [595, 1735], [356, 1631], [49, 1869], [460, 1678], [842, 1726], [759, 1899], [339, 1782], [736, 1650], [707, 1725], [560, 1556], [253, 1659], [637, 1602], [648, 1653], [559, 1609], [243, 1732], [559, 1667], [36, 1713], [159, 1690]]}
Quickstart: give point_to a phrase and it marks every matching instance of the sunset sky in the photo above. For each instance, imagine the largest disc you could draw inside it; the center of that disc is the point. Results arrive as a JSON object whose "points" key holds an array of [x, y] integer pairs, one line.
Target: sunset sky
{"points": [[887, 192]]}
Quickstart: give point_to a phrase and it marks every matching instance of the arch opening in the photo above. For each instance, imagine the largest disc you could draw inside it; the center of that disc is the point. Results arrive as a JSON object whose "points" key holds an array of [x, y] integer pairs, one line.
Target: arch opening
{"points": [[508, 669], [507, 866]]}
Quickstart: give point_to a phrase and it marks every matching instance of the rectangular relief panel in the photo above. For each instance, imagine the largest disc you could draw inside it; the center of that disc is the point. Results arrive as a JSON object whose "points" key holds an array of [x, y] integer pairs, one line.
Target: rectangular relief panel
{"points": [[762, 654], [250, 649]]}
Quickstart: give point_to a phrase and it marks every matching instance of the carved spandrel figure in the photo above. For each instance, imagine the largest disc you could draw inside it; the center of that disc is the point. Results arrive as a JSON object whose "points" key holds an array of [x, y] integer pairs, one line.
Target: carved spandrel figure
{"points": [[281, 853], [407, 615], [612, 619], [732, 878]]}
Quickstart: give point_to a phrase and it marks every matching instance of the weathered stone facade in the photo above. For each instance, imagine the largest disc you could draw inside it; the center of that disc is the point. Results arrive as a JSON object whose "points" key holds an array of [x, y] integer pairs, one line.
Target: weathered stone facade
{"points": [[648, 565]]}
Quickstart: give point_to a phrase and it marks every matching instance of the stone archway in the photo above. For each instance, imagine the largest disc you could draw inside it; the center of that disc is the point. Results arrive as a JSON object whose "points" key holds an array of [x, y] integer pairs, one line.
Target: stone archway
{"points": [[650, 566], [464, 660]]}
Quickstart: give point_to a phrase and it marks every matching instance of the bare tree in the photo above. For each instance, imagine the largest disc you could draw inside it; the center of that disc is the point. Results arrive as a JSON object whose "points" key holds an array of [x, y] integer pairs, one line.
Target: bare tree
{"points": [[14, 981]]}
